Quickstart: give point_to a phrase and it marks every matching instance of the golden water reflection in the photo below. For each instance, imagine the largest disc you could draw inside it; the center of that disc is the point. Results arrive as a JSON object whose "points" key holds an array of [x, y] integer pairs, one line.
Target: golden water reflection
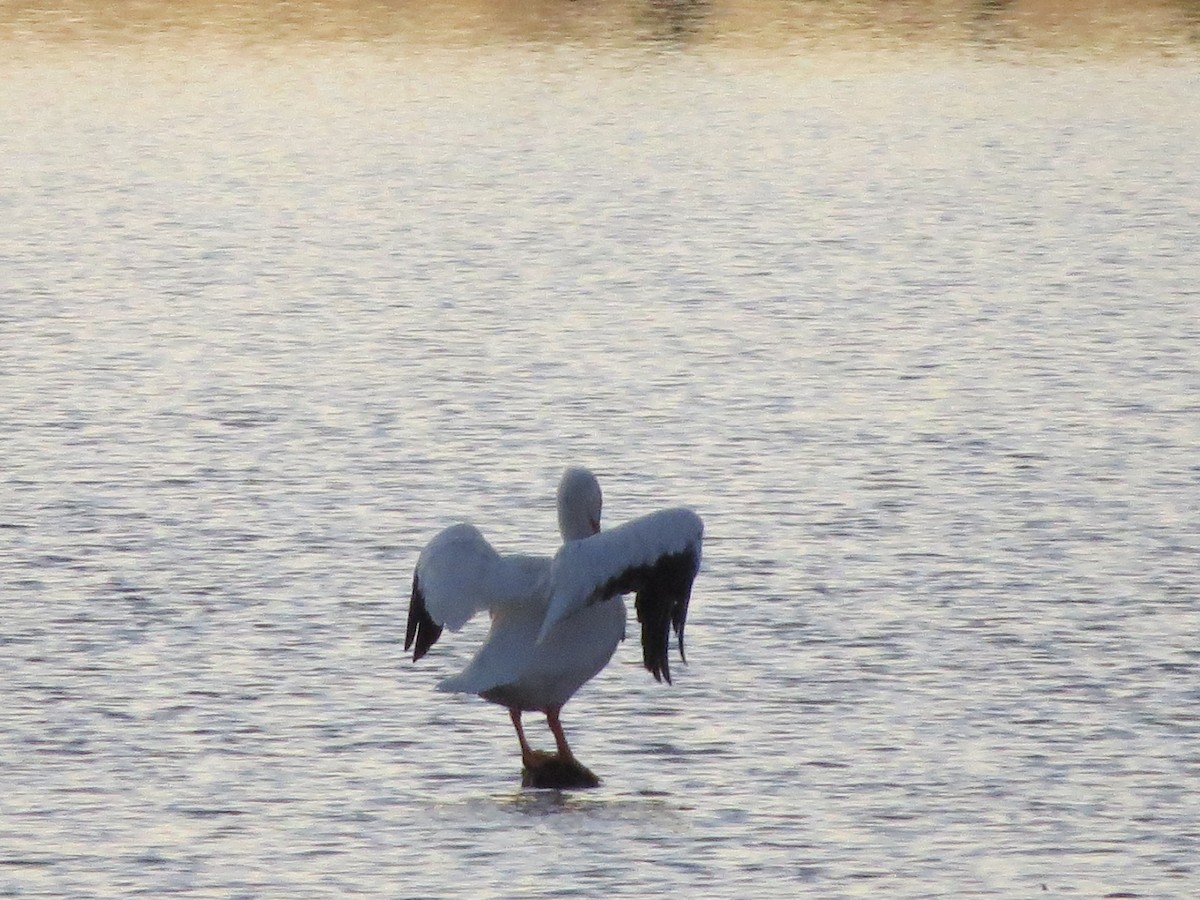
{"points": [[1158, 26]]}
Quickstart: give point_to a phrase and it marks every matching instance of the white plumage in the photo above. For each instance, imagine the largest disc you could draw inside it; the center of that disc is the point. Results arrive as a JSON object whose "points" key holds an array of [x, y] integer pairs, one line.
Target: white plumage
{"points": [[583, 572], [556, 621]]}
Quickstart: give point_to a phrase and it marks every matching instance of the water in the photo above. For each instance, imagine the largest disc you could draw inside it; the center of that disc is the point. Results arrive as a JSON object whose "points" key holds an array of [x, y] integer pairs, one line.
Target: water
{"points": [[902, 298]]}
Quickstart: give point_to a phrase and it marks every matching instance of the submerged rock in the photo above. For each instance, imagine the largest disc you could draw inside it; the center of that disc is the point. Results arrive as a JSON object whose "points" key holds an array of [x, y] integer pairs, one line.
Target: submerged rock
{"points": [[549, 770]]}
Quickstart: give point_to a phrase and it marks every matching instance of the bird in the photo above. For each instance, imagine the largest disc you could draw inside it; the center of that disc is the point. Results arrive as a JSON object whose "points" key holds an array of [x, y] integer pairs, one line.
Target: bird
{"points": [[557, 620]]}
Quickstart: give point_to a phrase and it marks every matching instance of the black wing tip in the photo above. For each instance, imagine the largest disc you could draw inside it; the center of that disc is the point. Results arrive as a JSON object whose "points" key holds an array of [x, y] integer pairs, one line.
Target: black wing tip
{"points": [[422, 630], [662, 604], [664, 674]]}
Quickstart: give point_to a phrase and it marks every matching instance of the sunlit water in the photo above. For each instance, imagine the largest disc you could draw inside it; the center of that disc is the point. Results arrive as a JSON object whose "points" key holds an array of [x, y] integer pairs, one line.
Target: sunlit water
{"points": [[904, 301]]}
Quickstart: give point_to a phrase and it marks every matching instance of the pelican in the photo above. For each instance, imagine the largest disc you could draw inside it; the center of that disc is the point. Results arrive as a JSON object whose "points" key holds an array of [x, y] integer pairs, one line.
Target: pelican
{"points": [[556, 621]]}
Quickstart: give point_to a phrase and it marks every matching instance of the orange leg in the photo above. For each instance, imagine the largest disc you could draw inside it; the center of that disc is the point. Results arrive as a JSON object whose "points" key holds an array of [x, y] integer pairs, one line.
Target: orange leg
{"points": [[526, 750], [560, 739]]}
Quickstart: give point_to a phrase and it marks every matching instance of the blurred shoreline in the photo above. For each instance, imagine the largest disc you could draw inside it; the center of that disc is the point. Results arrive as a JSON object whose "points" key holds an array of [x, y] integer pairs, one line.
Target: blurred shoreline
{"points": [[1162, 27]]}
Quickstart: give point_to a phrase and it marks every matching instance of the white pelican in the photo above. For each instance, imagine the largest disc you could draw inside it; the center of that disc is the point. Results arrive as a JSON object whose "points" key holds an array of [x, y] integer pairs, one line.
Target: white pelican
{"points": [[556, 621]]}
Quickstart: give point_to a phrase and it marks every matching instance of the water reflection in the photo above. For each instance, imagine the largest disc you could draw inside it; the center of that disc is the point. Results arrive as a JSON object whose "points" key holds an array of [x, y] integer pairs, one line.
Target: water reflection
{"points": [[1191, 17], [799, 24], [677, 21], [647, 805]]}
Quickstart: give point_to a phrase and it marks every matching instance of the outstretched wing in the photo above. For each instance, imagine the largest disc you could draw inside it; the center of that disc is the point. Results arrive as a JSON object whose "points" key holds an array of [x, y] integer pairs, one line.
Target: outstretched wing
{"points": [[656, 557], [459, 574]]}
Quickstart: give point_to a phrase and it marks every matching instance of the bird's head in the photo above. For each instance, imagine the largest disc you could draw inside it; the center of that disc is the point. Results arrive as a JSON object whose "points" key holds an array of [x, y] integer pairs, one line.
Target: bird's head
{"points": [[579, 503]]}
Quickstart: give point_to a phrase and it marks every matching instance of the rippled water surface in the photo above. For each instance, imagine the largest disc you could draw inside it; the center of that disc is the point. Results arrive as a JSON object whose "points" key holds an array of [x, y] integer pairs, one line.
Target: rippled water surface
{"points": [[902, 298]]}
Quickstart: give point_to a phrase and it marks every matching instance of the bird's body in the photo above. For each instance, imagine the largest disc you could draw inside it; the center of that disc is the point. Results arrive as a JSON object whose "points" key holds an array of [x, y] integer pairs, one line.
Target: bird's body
{"points": [[556, 621], [511, 668]]}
